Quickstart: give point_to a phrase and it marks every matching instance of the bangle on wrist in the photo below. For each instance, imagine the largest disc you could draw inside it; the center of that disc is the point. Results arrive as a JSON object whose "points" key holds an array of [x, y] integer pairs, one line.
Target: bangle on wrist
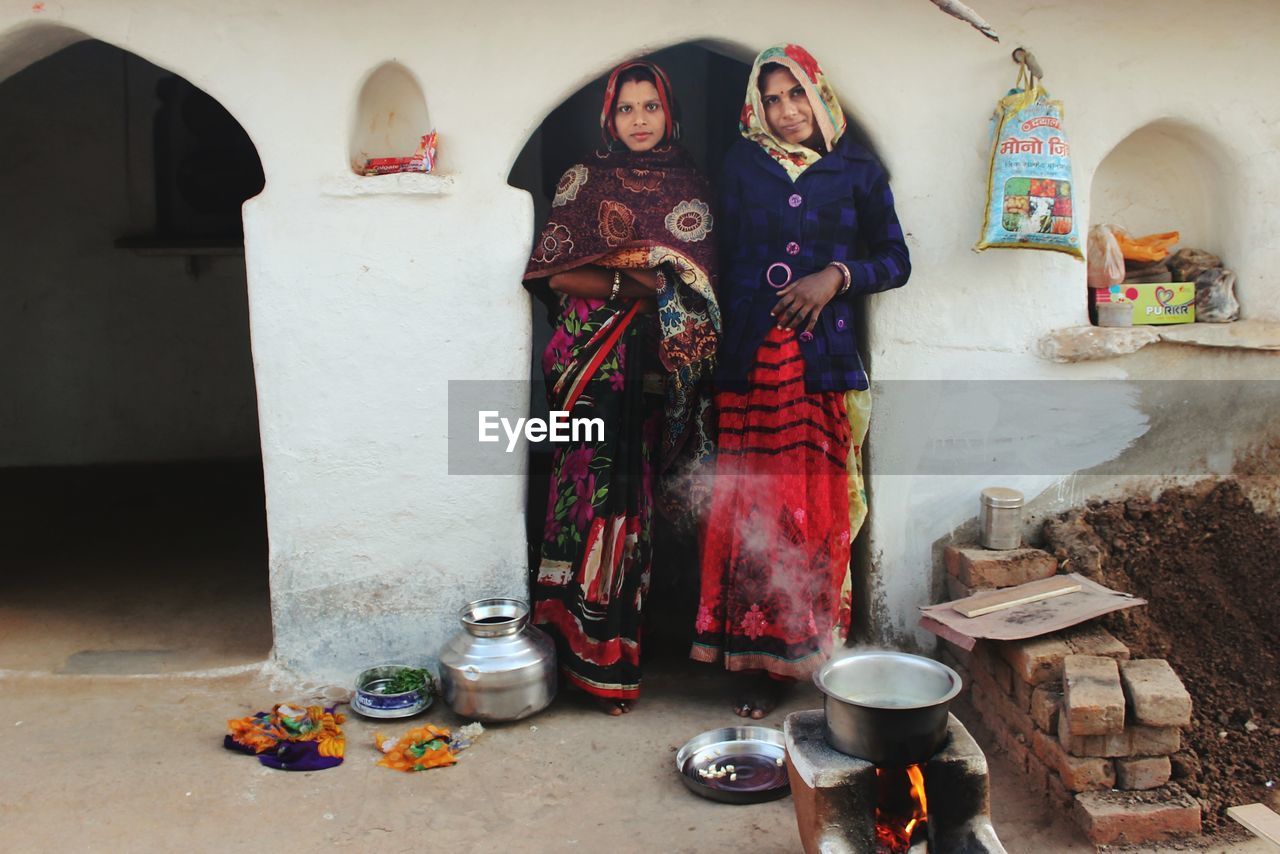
{"points": [[617, 284], [844, 272]]}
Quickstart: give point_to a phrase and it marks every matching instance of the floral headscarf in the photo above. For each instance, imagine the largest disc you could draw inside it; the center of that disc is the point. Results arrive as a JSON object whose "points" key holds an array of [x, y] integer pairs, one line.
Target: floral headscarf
{"points": [[793, 157]]}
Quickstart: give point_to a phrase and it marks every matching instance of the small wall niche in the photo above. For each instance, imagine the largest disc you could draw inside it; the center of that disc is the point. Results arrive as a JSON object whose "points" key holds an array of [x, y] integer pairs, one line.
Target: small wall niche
{"points": [[1169, 176], [1166, 176], [391, 116]]}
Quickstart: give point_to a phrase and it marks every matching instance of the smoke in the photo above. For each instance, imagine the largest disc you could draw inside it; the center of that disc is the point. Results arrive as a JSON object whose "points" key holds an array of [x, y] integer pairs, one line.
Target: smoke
{"points": [[782, 543]]}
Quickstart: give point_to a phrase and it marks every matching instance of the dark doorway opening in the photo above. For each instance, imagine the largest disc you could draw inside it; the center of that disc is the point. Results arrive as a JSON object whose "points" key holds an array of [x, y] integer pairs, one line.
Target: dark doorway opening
{"points": [[130, 466]]}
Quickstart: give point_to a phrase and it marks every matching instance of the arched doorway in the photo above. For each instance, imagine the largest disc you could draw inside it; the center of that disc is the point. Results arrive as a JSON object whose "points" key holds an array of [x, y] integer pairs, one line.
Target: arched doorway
{"points": [[710, 80], [130, 467]]}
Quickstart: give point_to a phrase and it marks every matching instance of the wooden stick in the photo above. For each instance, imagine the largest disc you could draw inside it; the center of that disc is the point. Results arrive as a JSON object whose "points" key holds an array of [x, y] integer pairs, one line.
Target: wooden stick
{"points": [[986, 603], [1262, 821], [956, 9]]}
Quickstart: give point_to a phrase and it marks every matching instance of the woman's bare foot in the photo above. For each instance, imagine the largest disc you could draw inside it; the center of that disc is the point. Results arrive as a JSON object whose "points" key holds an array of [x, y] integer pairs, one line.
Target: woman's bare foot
{"points": [[608, 706], [612, 707], [758, 695]]}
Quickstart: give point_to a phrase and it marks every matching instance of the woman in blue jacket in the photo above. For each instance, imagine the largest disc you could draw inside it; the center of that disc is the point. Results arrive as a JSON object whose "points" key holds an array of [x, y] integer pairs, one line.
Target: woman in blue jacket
{"points": [[808, 227]]}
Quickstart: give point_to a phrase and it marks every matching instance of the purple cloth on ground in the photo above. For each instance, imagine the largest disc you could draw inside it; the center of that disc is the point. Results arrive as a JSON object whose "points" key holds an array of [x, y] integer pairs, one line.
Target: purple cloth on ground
{"points": [[288, 755]]}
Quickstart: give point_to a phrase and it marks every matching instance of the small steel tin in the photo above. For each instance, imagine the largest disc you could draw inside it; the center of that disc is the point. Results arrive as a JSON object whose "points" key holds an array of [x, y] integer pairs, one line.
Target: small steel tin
{"points": [[1000, 518], [758, 755], [1115, 314], [370, 702]]}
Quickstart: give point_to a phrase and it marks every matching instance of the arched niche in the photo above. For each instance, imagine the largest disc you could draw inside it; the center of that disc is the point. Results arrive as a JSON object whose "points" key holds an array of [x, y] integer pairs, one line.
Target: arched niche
{"points": [[391, 116], [1168, 176]]}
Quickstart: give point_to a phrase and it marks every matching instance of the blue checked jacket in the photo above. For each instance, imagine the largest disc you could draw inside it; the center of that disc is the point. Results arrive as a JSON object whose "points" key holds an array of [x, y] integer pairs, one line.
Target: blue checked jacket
{"points": [[839, 209]]}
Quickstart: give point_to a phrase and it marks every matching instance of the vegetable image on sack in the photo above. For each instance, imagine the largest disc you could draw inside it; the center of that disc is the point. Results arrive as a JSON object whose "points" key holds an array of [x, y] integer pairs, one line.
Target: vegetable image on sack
{"points": [[1037, 206], [1029, 184]]}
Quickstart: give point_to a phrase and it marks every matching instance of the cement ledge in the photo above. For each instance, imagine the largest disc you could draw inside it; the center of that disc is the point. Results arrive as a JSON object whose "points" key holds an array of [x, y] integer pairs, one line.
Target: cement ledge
{"points": [[1243, 334], [394, 184], [1085, 343]]}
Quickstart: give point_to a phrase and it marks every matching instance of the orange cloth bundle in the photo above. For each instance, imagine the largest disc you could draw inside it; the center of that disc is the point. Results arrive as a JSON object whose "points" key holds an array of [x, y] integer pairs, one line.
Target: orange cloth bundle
{"points": [[418, 749], [1152, 247], [290, 738]]}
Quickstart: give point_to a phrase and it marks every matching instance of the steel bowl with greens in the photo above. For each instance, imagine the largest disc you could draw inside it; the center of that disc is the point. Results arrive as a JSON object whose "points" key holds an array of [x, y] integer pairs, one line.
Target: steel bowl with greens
{"points": [[393, 691]]}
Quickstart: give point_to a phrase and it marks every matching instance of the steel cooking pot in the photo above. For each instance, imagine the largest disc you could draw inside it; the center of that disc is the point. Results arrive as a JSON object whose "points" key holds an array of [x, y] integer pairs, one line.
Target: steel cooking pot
{"points": [[886, 707]]}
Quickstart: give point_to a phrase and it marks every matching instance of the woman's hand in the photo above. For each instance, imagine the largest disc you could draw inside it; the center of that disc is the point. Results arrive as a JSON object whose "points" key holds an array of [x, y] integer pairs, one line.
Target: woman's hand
{"points": [[800, 302]]}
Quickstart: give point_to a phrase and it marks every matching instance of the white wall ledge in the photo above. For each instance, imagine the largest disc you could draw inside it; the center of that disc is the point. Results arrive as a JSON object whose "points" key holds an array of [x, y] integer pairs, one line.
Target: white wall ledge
{"points": [[1242, 334], [395, 184], [1084, 343]]}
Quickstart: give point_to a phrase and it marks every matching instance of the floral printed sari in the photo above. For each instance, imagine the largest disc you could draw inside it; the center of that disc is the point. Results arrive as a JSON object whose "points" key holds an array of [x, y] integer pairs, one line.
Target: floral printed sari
{"points": [[593, 576]]}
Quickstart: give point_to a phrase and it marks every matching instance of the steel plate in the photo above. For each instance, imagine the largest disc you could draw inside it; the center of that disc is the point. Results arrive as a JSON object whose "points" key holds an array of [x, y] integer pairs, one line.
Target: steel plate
{"points": [[757, 754]]}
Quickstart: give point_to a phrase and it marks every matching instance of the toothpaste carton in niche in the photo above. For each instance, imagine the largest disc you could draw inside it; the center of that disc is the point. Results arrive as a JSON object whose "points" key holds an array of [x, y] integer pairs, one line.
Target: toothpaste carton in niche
{"points": [[1154, 304]]}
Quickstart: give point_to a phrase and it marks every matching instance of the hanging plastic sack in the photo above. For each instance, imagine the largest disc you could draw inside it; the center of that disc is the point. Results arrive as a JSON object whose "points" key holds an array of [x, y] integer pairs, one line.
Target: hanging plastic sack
{"points": [[1029, 198], [1106, 264]]}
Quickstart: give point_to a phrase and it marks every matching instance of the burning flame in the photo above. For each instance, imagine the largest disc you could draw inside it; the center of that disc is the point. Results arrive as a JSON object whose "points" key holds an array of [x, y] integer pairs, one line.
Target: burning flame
{"points": [[901, 807], [921, 810]]}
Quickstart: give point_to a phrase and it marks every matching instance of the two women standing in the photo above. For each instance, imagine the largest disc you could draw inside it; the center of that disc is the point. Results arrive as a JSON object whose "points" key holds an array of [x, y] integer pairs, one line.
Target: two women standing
{"points": [[805, 226]]}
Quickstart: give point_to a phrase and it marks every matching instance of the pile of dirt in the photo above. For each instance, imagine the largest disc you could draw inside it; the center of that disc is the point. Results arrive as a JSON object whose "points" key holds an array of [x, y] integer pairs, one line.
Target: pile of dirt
{"points": [[1209, 566]]}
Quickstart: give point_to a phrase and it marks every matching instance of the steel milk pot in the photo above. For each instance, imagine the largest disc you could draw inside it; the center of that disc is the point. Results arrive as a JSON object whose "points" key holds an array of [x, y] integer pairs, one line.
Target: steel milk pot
{"points": [[498, 668]]}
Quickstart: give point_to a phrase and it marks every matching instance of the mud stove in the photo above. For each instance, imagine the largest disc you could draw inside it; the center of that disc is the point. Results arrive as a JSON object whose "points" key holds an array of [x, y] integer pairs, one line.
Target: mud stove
{"points": [[845, 805]]}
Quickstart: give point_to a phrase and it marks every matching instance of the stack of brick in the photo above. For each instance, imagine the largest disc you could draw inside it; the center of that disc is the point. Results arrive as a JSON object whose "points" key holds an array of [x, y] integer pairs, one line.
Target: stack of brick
{"points": [[1086, 724], [972, 568]]}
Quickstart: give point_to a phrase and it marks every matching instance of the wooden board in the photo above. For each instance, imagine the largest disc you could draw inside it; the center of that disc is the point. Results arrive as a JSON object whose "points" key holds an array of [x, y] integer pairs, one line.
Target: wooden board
{"points": [[947, 633], [1032, 591], [1262, 821], [1032, 619]]}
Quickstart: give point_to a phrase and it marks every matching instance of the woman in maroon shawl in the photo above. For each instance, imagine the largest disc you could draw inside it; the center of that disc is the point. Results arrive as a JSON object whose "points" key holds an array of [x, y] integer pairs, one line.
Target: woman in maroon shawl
{"points": [[628, 256]]}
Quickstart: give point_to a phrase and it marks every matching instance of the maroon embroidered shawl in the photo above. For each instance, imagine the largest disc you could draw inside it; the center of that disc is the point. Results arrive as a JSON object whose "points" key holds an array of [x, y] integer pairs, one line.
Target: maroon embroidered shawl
{"points": [[648, 210], [626, 209]]}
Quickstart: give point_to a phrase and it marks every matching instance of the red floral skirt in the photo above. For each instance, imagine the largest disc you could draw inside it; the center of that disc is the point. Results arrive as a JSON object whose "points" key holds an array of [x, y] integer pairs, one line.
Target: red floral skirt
{"points": [[775, 555]]}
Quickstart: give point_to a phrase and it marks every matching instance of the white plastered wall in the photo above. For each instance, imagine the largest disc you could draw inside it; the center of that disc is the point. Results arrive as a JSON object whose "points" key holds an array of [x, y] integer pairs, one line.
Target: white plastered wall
{"points": [[364, 305]]}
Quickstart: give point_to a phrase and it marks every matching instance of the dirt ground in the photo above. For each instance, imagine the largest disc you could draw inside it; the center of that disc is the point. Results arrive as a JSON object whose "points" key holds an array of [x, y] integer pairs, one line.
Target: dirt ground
{"points": [[1209, 565], [122, 764], [133, 569], [111, 720]]}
